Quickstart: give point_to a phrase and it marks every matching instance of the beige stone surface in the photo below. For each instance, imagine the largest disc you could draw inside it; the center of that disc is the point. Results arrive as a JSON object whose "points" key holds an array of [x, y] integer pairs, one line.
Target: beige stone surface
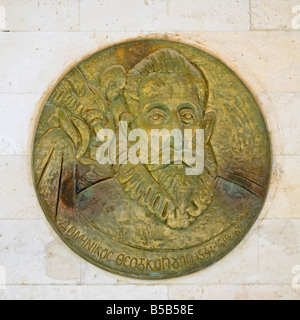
{"points": [[233, 292], [72, 292], [164, 15], [19, 113], [279, 250], [265, 61], [42, 292], [42, 15], [40, 59], [48, 38], [284, 191], [27, 254], [17, 195], [2, 17], [281, 110], [61, 263], [273, 14]]}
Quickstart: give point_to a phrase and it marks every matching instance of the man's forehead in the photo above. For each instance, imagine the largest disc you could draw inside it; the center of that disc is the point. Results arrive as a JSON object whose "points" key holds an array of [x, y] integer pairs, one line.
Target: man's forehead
{"points": [[160, 86]]}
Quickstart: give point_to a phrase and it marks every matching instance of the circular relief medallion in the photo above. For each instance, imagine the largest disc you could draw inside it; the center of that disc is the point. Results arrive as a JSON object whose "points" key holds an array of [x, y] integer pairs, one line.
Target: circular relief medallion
{"points": [[151, 159]]}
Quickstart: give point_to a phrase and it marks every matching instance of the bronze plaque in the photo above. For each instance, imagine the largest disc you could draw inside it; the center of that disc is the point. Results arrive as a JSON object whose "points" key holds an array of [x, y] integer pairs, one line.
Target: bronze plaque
{"points": [[151, 219]]}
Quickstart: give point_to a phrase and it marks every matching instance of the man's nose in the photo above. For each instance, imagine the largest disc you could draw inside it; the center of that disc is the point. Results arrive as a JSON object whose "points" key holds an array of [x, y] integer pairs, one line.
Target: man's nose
{"points": [[174, 122]]}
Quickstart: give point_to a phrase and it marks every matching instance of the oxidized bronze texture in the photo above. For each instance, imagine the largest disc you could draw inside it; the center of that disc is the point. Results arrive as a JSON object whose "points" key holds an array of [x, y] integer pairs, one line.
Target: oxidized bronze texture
{"points": [[150, 221]]}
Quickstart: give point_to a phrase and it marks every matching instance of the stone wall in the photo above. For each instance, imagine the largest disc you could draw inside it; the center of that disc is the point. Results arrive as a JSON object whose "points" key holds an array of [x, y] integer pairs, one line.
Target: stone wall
{"points": [[41, 40]]}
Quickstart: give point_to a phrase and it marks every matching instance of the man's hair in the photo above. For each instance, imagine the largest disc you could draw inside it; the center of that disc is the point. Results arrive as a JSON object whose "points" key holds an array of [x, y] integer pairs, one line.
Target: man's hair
{"points": [[165, 61]]}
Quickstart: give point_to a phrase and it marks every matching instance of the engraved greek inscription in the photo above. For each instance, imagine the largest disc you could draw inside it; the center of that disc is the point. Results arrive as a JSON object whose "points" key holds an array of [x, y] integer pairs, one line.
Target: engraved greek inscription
{"points": [[150, 265], [175, 264], [157, 264], [141, 266], [85, 242], [133, 263], [166, 263], [120, 259], [126, 262]]}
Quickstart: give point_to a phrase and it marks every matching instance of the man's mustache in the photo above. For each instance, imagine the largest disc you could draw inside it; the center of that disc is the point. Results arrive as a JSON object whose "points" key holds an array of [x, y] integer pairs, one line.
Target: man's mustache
{"points": [[175, 162]]}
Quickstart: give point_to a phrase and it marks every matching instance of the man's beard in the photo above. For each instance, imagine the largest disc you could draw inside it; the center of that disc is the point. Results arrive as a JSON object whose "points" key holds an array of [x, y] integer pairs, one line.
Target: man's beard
{"points": [[167, 193]]}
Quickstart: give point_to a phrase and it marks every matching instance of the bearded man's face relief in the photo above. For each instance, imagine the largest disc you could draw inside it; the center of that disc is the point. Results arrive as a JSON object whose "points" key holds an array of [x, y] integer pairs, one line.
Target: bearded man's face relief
{"points": [[171, 98]]}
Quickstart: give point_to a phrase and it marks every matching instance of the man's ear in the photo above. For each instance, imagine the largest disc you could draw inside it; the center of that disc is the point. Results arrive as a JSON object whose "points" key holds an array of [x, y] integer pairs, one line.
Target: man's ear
{"points": [[112, 82], [209, 120]]}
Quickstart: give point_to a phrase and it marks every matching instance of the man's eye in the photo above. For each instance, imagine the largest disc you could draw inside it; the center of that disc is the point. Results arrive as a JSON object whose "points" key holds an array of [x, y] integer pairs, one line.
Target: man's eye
{"points": [[187, 117], [156, 117]]}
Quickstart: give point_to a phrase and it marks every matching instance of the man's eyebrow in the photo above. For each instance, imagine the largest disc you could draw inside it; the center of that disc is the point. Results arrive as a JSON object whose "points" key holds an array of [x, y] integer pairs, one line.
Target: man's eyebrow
{"points": [[153, 106], [187, 105]]}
